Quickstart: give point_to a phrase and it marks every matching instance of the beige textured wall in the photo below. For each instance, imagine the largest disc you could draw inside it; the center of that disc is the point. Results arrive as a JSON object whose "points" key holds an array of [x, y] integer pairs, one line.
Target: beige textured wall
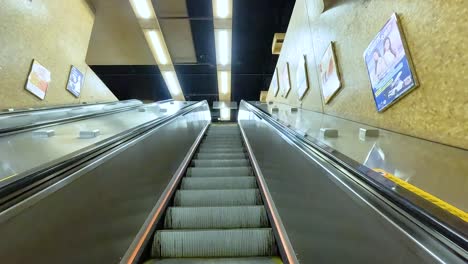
{"points": [[54, 32], [436, 36]]}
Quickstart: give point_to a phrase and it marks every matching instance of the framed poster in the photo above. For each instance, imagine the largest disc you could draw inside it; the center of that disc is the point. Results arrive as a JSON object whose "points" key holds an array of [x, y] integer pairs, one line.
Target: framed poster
{"points": [[302, 79], [75, 81], [38, 80], [389, 65], [285, 81], [329, 76], [274, 83]]}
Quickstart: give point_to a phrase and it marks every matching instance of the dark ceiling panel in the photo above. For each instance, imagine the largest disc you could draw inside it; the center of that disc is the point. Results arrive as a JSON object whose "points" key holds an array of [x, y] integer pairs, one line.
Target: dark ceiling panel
{"points": [[134, 82], [254, 24]]}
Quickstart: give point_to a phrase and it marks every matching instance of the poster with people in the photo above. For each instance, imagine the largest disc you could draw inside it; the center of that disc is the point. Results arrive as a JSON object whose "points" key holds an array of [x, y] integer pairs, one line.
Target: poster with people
{"points": [[302, 78], [75, 81], [274, 83], [389, 65], [38, 80], [285, 81], [329, 77]]}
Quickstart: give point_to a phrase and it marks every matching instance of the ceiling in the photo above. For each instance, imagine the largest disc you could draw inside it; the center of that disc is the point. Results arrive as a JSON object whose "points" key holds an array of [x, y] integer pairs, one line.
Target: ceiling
{"points": [[119, 55]]}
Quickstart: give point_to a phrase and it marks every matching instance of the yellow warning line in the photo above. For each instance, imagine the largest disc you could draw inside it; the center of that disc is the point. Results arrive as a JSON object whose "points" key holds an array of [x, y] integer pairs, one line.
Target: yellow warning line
{"points": [[425, 195]]}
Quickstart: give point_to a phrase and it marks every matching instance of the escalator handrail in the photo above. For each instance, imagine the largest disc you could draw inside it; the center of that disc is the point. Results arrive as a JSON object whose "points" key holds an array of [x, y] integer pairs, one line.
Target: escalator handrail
{"points": [[39, 176], [58, 121], [4, 112], [450, 226]]}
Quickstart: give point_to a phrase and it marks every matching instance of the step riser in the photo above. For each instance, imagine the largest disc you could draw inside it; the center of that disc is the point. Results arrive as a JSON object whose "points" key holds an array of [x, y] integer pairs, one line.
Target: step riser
{"points": [[220, 163], [219, 172], [216, 217], [220, 183], [214, 243], [203, 198]]}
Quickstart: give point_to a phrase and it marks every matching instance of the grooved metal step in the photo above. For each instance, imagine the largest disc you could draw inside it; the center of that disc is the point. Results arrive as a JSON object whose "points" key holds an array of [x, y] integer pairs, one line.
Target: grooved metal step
{"points": [[221, 163], [214, 243], [215, 217], [213, 183], [221, 149], [217, 197], [249, 260], [214, 156], [219, 172]]}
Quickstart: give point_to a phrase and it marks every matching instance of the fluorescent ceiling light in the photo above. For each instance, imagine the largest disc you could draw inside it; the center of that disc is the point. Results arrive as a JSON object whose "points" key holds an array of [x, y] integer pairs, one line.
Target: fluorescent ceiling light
{"points": [[224, 81], [156, 43], [171, 81], [222, 8], [142, 8], [223, 46]]}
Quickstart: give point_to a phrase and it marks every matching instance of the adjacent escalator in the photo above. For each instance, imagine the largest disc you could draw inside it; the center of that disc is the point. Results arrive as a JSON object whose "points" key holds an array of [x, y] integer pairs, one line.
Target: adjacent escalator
{"points": [[217, 215]]}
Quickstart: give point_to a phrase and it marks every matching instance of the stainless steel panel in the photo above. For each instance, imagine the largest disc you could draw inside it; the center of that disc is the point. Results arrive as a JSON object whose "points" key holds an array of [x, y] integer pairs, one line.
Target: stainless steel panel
{"points": [[94, 218], [326, 220], [22, 152]]}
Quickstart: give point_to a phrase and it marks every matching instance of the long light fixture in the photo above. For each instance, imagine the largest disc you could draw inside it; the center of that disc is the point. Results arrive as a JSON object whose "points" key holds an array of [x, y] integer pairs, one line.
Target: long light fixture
{"points": [[223, 46], [170, 78], [155, 40], [224, 82], [142, 8], [149, 24], [222, 22], [222, 8]]}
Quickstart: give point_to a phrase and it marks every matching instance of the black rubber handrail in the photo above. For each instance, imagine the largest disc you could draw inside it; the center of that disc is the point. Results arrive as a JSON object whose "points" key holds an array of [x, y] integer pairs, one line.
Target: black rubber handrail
{"points": [[30, 182], [448, 225], [47, 123]]}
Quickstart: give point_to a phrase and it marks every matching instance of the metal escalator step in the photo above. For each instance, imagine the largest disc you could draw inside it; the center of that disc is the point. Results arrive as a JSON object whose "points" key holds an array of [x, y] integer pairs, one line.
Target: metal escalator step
{"points": [[219, 172], [251, 260], [221, 163], [221, 150], [213, 183], [220, 156], [214, 243], [218, 146], [215, 217], [217, 197]]}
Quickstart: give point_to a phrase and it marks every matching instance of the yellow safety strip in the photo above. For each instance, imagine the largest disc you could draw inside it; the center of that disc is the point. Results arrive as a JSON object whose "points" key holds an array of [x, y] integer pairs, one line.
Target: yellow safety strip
{"points": [[425, 195]]}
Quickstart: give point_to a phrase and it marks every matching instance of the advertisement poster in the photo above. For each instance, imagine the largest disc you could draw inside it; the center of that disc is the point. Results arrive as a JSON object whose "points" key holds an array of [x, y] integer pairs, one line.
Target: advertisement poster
{"points": [[274, 83], [329, 74], [389, 65], [302, 80], [75, 81], [285, 81], [38, 80]]}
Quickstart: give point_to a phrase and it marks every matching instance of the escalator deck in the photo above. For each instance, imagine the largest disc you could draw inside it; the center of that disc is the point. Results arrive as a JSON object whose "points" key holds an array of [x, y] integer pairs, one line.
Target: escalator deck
{"points": [[217, 215]]}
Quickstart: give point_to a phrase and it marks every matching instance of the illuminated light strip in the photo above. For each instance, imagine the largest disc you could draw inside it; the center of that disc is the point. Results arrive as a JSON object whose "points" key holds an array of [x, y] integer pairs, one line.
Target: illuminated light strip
{"points": [[425, 195], [142, 8], [149, 24], [170, 78], [223, 47], [222, 8], [154, 38], [224, 82]]}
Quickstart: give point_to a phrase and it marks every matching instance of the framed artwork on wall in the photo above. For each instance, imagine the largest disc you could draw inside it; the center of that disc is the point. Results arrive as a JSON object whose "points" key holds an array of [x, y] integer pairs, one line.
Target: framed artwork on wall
{"points": [[329, 75], [274, 83], [38, 80], [75, 81], [285, 81], [389, 65], [302, 79]]}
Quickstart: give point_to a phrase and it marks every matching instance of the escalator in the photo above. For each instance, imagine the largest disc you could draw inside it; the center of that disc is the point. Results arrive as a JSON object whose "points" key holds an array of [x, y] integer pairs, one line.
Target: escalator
{"points": [[217, 214]]}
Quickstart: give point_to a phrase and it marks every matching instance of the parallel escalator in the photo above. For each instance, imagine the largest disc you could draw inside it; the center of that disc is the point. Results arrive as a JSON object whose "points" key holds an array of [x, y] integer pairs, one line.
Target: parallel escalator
{"points": [[217, 215]]}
